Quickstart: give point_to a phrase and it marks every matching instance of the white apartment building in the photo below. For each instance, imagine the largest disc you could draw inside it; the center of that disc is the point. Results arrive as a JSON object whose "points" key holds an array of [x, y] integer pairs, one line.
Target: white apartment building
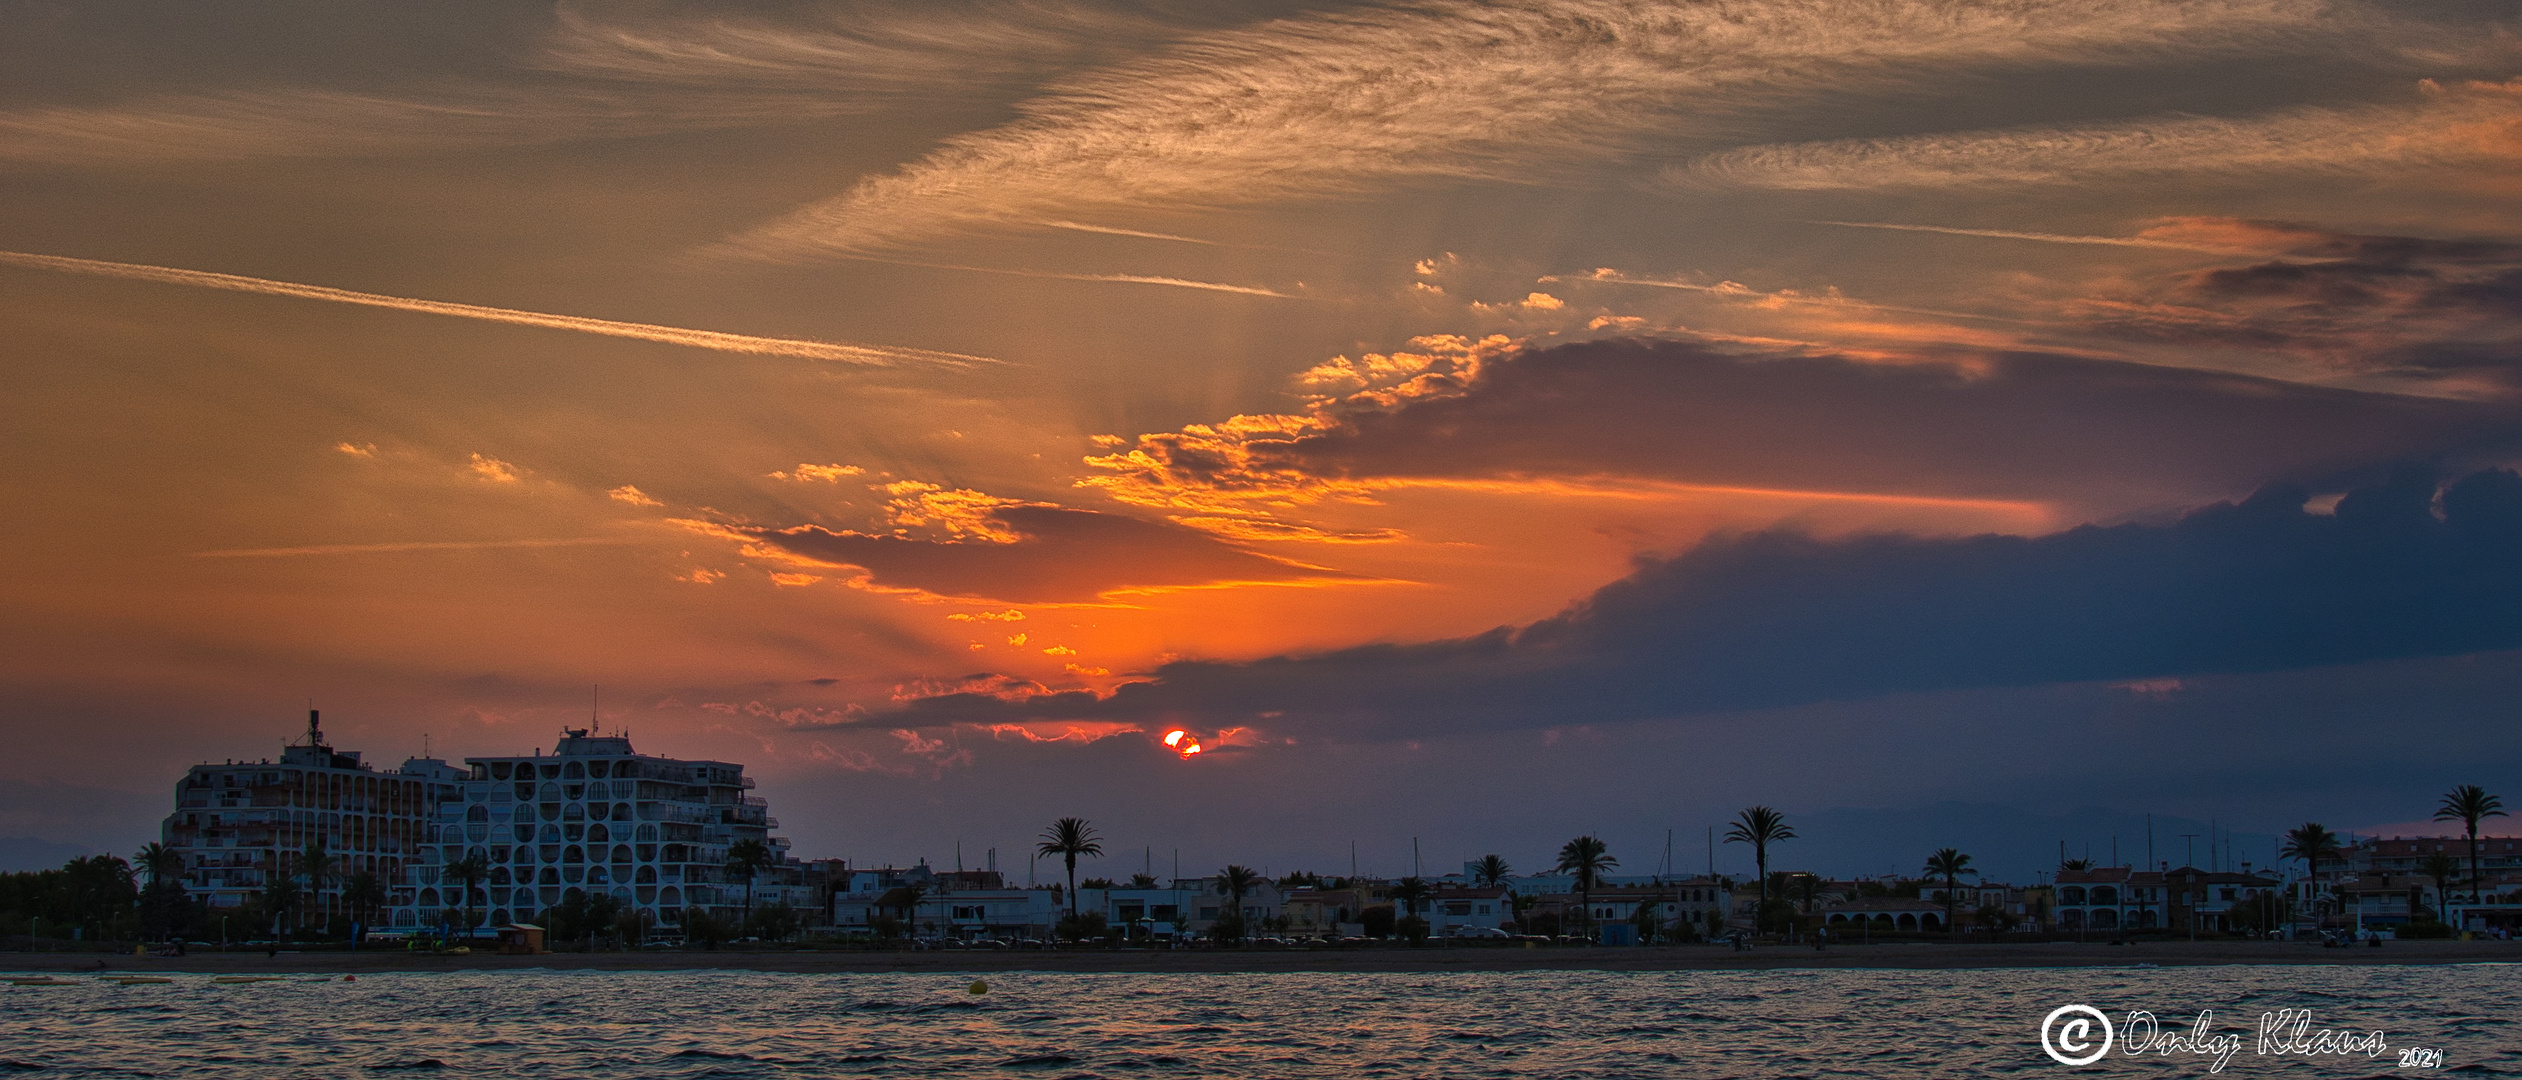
{"points": [[596, 817], [238, 825]]}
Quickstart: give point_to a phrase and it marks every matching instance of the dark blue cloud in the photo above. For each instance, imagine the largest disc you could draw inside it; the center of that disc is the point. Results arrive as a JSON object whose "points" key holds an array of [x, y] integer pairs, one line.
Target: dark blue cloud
{"points": [[2403, 568], [2097, 437]]}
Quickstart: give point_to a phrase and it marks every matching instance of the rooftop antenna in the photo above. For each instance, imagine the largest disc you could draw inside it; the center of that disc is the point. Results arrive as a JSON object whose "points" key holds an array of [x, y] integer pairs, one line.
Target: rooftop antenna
{"points": [[424, 744]]}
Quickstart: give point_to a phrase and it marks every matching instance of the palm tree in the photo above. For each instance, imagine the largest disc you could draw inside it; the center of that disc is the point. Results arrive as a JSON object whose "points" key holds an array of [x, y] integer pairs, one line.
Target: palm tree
{"points": [[2077, 865], [745, 859], [1070, 837], [280, 900], [469, 872], [2310, 842], [906, 899], [159, 861], [2467, 804], [1410, 891], [1237, 882], [1760, 827], [1950, 864], [320, 869], [1586, 857], [1491, 871], [2444, 869], [1521, 907], [363, 894]]}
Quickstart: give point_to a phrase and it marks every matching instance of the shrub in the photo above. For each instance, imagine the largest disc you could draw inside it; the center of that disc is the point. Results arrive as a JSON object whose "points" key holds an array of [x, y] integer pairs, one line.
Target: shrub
{"points": [[1081, 926], [1378, 921], [702, 927]]}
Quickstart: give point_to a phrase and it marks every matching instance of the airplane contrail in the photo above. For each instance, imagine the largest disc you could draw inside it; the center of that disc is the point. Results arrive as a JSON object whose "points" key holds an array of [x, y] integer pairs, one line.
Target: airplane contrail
{"points": [[1617, 278], [1130, 279], [671, 335], [2048, 238], [1079, 226], [421, 545]]}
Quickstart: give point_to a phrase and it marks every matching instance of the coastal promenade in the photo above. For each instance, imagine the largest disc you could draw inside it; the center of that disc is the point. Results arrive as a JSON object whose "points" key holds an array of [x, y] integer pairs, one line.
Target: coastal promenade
{"points": [[1373, 959]]}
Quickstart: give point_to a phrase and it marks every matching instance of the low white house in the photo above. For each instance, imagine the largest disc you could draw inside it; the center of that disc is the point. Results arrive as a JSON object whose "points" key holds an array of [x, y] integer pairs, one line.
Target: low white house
{"points": [[1187, 907], [992, 913], [1450, 911], [932, 904]]}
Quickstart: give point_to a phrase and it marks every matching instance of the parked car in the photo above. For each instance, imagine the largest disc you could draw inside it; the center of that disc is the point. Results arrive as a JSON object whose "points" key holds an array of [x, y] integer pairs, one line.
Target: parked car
{"points": [[1477, 933]]}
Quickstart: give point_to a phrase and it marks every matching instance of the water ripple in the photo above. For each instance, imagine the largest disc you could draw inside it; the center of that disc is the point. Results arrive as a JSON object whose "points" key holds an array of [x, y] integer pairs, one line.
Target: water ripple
{"points": [[1703, 1025]]}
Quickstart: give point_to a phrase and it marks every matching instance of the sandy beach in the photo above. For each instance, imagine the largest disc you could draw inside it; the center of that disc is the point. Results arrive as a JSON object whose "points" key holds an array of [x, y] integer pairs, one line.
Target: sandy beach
{"points": [[1392, 959]]}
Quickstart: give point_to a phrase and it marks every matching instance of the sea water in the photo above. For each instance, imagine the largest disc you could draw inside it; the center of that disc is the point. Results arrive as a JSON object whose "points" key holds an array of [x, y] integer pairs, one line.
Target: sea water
{"points": [[1754, 1024]]}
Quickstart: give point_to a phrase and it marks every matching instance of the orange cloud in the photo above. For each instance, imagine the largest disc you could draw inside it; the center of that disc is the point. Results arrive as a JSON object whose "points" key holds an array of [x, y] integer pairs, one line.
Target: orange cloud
{"points": [[830, 474], [1082, 731], [632, 495], [961, 513], [1049, 554], [494, 470]]}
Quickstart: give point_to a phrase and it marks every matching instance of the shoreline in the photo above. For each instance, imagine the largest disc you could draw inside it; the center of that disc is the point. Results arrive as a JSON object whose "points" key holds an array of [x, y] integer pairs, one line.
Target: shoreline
{"points": [[1386, 960]]}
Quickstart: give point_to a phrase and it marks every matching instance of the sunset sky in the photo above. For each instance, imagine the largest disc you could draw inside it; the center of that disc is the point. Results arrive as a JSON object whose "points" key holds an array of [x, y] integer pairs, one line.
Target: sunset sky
{"points": [[1478, 423]]}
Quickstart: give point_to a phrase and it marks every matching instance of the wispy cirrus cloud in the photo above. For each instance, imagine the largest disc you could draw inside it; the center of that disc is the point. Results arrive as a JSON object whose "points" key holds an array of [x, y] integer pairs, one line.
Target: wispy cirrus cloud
{"points": [[861, 51], [1336, 104], [2466, 125], [671, 335], [307, 122], [2427, 313], [606, 74]]}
